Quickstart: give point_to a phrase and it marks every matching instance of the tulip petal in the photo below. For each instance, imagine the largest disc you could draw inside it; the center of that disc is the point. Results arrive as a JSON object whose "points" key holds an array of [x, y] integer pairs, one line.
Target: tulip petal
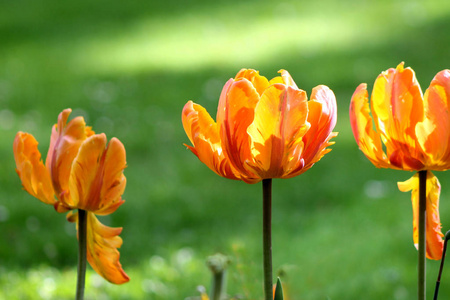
{"points": [[362, 125], [277, 130], [114, 181], [86, 173], [260, 83], [434, 241], [397, 106], [102, 243], [241, 99], [102, 254], [203, 133], [322, 116], [31, 170], [221, 108], [433, 133], [287, 79], [64, 144], [96, 179], [284, 79]]}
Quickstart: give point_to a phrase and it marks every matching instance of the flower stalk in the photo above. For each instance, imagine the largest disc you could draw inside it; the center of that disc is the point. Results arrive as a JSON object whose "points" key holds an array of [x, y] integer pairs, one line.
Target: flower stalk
{"points": [[218, 265], [438, 281], [422, 235], [81, 276], [267, 238]]}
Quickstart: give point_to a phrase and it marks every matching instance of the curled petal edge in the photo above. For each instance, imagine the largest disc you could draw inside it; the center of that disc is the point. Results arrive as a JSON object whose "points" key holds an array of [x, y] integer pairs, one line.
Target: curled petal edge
{"points": [[203, 133], [102, 244], [362, 125], [322, 116]]}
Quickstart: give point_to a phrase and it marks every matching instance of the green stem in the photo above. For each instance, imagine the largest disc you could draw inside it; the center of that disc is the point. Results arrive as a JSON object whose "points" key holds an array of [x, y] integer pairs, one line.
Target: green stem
{"points": [[218, 287], [422, 234], [81, 276], [218, 264], [267, 238], [438, 281]]}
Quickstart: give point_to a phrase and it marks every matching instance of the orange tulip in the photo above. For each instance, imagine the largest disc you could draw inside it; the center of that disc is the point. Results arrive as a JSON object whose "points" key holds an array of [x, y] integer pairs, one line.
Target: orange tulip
{"points": [[265, 129], [405, 130], [83, 172]]}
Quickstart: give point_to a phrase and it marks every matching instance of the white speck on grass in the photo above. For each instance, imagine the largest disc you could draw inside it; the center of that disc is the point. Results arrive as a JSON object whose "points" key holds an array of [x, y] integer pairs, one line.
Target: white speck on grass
{"points": [[7, 119], [375, 189], [4, 214]]}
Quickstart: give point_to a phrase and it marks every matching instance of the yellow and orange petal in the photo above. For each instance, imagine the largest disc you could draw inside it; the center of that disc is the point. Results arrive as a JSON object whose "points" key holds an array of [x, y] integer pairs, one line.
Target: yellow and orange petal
{"points": [[203, 133], [434, 241], [277, 130], [397, 106], [368, 140], [30, 168], [260, 83], [433, 134], [114, 180], [65, 142], [322, 115], [96, 178], [240, 102], [102, 243]]}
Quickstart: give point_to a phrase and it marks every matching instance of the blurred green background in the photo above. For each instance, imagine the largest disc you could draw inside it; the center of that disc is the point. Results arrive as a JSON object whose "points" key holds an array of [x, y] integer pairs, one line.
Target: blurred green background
{"points": [[342, 230]]}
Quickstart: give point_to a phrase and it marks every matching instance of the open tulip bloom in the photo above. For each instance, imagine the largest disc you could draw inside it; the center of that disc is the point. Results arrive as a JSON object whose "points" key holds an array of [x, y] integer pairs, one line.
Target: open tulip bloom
{"points": [[263, 130], [82, 172], [405, 130]]}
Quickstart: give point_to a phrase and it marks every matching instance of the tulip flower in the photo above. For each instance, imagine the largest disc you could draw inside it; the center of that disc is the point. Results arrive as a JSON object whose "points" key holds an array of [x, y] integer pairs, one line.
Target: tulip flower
{"points": [[405, 130], [82, 172], [263, 130]]}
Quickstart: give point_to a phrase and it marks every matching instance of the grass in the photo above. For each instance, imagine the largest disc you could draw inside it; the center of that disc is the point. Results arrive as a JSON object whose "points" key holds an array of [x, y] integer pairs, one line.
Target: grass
{"points": [[342, 230]]}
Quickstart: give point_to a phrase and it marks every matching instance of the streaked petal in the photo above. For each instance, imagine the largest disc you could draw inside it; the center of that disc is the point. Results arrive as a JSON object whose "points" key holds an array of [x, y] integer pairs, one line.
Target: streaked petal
{"points": [[322, 116], [260, 83], [96, 179], [433, 133], [241, 99], [362, 126], [221, 108], [113, 179], [203, 133], [277, 129], [102, 254], [284, 79], [102, 243], [434, 241], [64, 144], [397, 106], [287, 79], [30, 168], [86, 172]]}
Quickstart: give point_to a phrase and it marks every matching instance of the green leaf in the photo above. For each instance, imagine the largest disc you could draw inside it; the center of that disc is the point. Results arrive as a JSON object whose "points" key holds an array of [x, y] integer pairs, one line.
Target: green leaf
{"points": [[278, 291]]}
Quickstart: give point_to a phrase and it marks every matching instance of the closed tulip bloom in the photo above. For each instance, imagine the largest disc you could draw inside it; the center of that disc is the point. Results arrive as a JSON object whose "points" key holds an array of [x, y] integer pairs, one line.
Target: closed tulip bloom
{"points": [[263, 129], [403, 129], [81, 171]]}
